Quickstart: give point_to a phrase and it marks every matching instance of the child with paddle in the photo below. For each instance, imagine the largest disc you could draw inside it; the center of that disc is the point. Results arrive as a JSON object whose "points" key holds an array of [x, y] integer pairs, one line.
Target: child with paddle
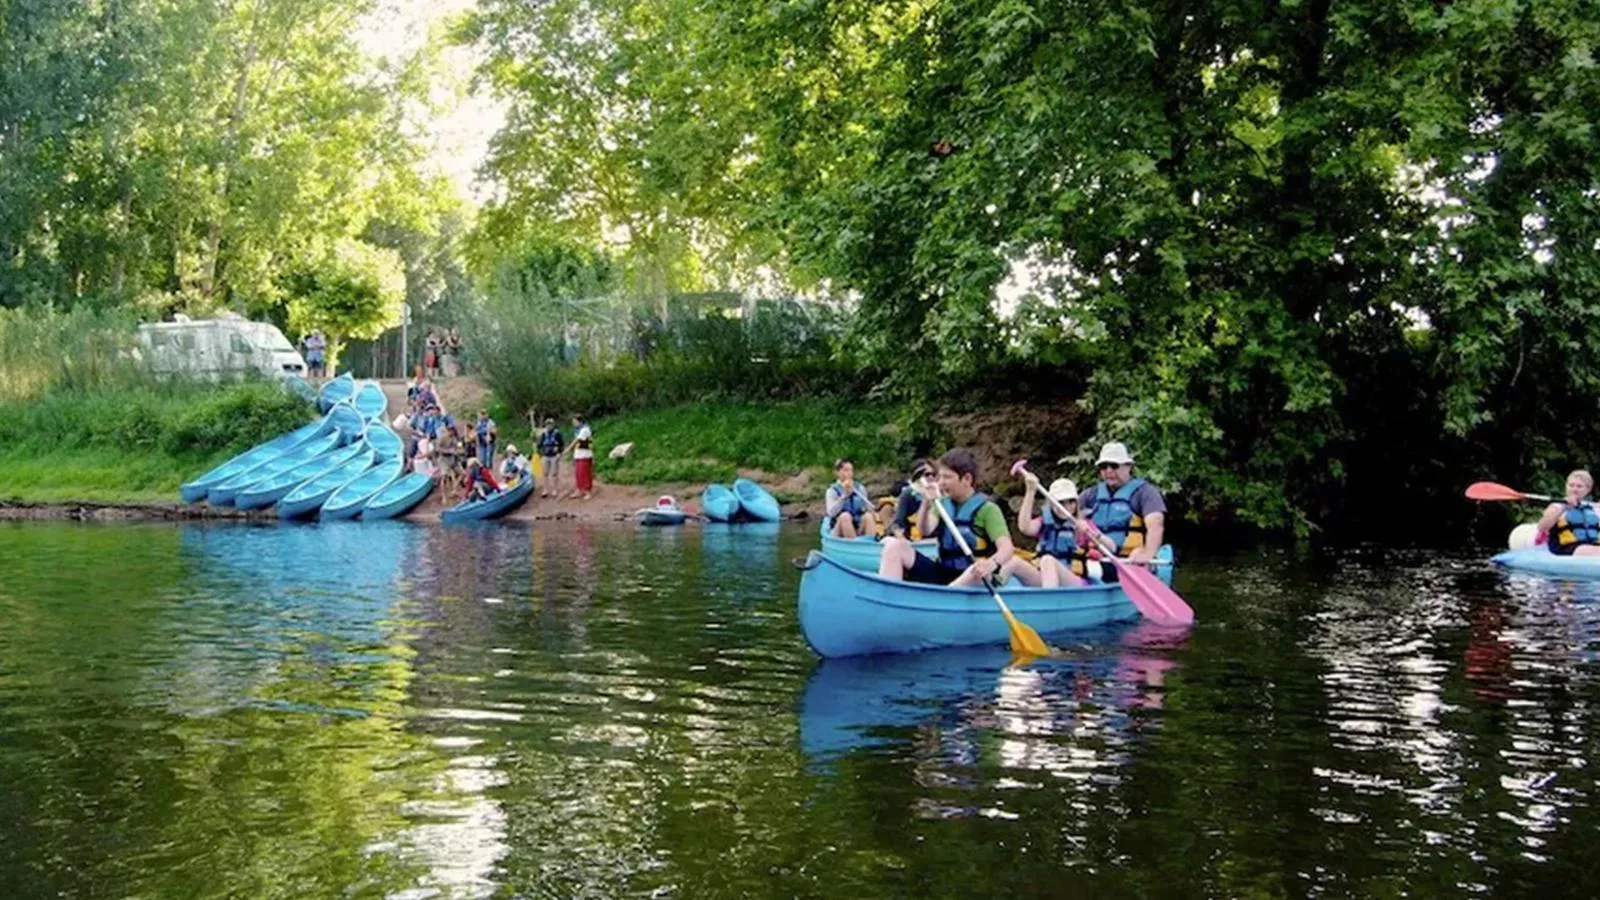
{"points": [[972, 547], [849, 509], [1060, 539]]}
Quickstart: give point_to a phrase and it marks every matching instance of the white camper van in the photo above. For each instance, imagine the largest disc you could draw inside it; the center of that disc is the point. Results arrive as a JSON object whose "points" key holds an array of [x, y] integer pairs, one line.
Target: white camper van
{"points": [[229, 345]]}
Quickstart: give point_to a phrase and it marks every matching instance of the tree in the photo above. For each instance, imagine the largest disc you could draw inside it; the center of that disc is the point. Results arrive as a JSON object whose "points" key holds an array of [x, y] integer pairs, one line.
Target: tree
{"points": [[353, 290]]}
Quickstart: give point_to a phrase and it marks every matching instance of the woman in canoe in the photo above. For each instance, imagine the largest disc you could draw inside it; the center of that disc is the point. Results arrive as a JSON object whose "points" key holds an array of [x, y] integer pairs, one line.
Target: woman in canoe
{"points": [[1573, 525], [979, 520], [1062, 558], [848, 508]]}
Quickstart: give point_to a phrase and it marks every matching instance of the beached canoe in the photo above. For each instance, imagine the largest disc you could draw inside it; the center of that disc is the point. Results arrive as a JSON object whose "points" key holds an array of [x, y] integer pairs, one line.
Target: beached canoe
{"points": [[223, 492], [491, 507], [864, 552], [370, 401], [268, 491], [347, 501], [398, 497], [661, 515], [301, 388], [1540, 561], [718, 503], [383, 441], [309, 496], [335, 391], [847, 612], [755, 502], [348, 421], [196, 490]]}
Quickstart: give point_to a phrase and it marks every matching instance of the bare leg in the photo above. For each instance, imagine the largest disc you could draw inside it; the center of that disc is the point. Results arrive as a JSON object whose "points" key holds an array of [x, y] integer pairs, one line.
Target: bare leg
{"points": [[898, 556], [869, 524], [1062, 572], [1022, 570], [844, 526], [968, 578]]}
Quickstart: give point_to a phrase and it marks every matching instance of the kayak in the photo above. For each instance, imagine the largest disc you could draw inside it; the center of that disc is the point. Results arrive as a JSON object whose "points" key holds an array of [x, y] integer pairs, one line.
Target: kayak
{"points": [[847, 612], [196, 490], [370, 401], [719, 503], [755, 501], [347, 501], [268, 491], [309, 496], [398, 497], [1539, 560], [383, 441], [348, 421], [660, 515], [299, 387], [491, 507], [223, 492], [335, 391], [864, 552]]}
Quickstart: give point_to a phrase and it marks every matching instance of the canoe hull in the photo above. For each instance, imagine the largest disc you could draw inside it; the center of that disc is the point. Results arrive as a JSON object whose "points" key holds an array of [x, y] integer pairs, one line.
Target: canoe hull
{"points": [[847, 612], [755, 502], [370, 401], [662, 516], [719, 504], [398, 498], [1540, 561], [347, 501], [491, 508], [268, 491], [334, 391], [864, 553], [309, 496], [196, 490], [224, 493]]}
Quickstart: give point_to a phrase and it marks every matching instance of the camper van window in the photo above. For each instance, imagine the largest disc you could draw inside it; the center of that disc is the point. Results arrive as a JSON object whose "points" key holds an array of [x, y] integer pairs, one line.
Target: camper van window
{"points": [[184, 341], [239, 344], [158, 340]]}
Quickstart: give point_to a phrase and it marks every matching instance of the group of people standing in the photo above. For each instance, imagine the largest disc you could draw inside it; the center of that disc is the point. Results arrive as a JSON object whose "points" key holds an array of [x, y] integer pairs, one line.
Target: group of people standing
{"points": [[441, 353], [1123, 514]]}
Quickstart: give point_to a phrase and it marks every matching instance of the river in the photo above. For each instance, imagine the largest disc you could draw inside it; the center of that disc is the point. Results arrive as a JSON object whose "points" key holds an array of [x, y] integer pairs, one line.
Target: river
{"points": [[557, 710]]}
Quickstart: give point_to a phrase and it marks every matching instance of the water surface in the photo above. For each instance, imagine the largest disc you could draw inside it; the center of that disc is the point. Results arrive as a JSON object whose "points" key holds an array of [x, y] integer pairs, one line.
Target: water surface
{"points": [[553, 710]]}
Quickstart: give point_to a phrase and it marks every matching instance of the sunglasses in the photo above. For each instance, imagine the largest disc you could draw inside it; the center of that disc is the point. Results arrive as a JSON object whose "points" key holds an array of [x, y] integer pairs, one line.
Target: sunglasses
{"points": [[1108, 465]]}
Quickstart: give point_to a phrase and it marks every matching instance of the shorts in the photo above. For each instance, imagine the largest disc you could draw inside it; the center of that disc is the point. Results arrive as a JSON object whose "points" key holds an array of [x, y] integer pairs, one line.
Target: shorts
{"points": [[1563, 549], [928, 571], [552, 466]]}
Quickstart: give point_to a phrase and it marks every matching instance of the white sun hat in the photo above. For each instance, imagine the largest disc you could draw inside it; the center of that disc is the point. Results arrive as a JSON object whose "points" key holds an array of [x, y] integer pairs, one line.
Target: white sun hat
{"points": [[1063, 490], [1115, 452]]}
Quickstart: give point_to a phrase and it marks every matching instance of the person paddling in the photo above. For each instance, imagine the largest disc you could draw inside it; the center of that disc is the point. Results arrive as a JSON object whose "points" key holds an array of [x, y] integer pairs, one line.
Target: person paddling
{"points": [[904, 523], [1060, 559], [979, 520], [1573, 525], [514, 467], [848, 508], [1128, 510]]}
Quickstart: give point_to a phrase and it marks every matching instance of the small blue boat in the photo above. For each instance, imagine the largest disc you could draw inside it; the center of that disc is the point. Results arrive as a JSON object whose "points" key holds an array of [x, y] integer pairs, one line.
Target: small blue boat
{"points": [[309, 496], [196, 490], [864, 552], [1540, 561], [847, 612], [268, 491], [370, 401], [491, 507], [349, 422], [347, 501], [301, 388], [335, 391], [718, 503], [398, 497], [755, 501], [383, 441], [223, 492]]}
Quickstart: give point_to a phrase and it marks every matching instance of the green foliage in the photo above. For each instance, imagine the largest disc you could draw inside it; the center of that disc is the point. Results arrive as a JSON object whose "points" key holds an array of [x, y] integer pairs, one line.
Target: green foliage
{"points": [[44, 349], [353, 290]]}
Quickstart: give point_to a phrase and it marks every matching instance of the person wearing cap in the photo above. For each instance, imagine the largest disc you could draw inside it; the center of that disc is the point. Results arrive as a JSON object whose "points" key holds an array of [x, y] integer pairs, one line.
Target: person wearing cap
{"points": [[1127, 509], [848, 508], [514, 467], [904, 522], [1061, 559]]}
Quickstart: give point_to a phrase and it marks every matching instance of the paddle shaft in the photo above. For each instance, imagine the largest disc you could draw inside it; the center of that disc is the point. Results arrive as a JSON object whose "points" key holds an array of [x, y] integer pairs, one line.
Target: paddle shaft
{"points": [[1105, 542]]}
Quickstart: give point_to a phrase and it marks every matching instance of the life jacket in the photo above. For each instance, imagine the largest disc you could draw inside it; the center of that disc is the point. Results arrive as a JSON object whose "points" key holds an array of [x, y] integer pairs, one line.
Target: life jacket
{"points": [[550, 443], [1056, 538], [854, 504], [1577, 525], [964, 519], [1112, 513], [483, 430]]}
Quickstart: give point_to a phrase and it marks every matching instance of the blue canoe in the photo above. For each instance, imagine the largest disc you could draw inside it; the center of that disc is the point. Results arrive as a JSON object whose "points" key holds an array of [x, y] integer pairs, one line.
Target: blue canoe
{"points": [[383, 441], [347, 501], [369, 400], [847, 612], [301, 388], [268, 491], [1540, 561], [718, 503], [196, 490], [755, 501], [864, 552], [399, 497], [223, 492], [348, 421], [335, 391], [490, 507], [309, 496]]}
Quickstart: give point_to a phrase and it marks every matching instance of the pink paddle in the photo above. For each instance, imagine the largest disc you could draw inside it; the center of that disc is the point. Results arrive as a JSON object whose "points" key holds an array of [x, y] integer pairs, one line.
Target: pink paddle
{"points": [[1154, 600]]}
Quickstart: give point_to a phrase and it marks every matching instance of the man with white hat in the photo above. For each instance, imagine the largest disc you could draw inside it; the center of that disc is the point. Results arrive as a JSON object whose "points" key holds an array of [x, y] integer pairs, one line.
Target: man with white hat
{"points": [[1128, 510]]}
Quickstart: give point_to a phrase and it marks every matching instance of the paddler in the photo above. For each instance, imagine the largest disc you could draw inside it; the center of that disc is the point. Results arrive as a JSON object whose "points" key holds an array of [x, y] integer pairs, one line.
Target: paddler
{"points": [[1573, 525], [514, 467], [904, 523], [848, 508], [979, 520], [1128, 510], [1062, 552]]}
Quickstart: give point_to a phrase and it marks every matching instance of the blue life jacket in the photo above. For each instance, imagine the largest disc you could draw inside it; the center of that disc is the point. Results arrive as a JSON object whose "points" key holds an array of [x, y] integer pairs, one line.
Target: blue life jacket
{"points": [[550, 442], [1112, 513], [950, 553], [1577, 525], [1056, 538], [483, 430], [854, 504]]}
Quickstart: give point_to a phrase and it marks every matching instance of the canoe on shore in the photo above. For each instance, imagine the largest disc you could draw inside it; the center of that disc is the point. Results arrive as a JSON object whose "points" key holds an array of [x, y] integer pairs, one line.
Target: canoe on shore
{"points": [[491, 507], [718, 503], [370, 401], [383, 441], [864, 552], [347, 501], [1540, 561], [308, 496], [755, 502], [847, 612], [268, 491], [349, 422], [223, 492], [334, 391], [196, 490], [661, 515], [398, 497]]}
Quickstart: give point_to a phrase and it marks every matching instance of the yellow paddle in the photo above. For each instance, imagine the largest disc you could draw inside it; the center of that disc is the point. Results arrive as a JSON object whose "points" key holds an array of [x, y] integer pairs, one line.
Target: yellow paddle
{"points": [[1024, 640]]}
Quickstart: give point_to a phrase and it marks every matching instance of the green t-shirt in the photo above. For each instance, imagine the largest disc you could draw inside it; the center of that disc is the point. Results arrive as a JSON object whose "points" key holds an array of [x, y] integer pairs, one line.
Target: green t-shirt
{"points": [[990, 522]]}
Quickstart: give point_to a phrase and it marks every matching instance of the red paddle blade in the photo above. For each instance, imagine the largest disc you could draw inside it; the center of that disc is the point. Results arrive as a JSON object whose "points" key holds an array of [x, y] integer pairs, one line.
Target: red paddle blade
{"points": [[1489, 490]]}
